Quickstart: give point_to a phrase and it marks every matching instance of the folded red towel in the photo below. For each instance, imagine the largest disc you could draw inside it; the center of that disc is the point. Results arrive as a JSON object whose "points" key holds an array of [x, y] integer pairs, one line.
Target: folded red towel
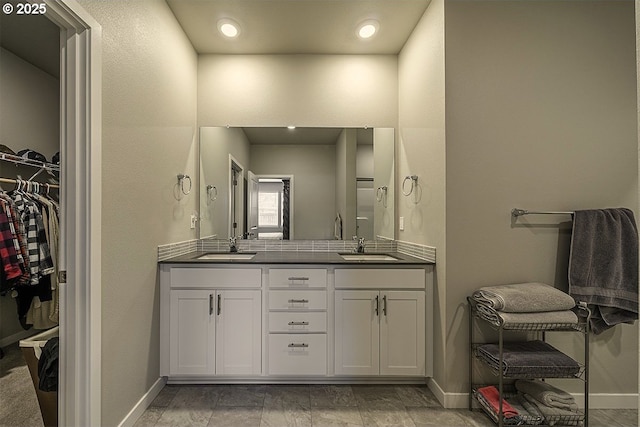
{"points": [[492, 396]]}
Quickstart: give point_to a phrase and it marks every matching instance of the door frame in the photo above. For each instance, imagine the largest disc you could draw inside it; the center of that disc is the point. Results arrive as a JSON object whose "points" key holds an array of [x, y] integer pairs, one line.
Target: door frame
{"points": [[79, 402], [291, 196]]}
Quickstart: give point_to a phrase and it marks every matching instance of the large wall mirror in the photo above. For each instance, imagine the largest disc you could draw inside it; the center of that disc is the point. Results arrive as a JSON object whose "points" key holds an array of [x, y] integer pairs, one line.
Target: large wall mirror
{"points": [[296, 183]]}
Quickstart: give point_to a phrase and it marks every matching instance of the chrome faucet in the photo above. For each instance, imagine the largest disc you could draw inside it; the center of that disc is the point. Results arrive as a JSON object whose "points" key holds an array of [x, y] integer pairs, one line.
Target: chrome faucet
{"points": [[360, 248], [232, 245]]}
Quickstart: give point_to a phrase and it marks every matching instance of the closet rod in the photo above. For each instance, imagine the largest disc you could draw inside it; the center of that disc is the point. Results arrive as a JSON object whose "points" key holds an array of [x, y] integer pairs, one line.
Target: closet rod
{"points": [[519, 212], [16, 181]]}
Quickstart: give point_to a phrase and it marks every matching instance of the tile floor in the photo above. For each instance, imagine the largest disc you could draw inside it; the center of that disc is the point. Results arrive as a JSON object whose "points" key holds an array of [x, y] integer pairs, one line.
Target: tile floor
{"points": [[322, 405], [273, 405]]}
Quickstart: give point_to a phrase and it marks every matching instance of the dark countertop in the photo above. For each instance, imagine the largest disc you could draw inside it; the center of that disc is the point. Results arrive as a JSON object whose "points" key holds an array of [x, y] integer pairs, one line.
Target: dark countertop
{"points": [[278, 257]]}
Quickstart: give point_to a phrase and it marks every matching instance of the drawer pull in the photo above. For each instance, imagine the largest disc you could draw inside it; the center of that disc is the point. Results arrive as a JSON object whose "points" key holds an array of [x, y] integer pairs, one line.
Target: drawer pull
{"points": [[298, 278], [294, 345], [304, 323], [301, 301]]}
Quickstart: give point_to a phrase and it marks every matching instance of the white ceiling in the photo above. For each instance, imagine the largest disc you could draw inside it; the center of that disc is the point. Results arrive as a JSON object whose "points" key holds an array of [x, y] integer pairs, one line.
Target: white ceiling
{"points": [[298, 26], [267, 27]]}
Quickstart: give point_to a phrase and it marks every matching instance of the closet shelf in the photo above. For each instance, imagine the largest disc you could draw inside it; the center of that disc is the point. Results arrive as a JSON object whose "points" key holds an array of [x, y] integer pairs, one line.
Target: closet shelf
{"points": [[29, 162]]}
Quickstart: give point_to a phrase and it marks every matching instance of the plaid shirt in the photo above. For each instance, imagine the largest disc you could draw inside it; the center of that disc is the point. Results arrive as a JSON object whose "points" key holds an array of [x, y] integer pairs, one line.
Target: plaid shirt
{"points": [[40, 262], [8, 256], [19, 237]]}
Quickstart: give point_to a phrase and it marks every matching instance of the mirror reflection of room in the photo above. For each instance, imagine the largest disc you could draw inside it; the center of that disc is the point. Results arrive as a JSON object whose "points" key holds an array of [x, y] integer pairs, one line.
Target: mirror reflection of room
{"points": [[296, 183]]}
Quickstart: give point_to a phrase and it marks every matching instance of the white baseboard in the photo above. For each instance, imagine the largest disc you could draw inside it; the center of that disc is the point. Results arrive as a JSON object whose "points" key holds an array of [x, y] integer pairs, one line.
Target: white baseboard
{"points": [[596, 400], [144, 402], [18, 336]]}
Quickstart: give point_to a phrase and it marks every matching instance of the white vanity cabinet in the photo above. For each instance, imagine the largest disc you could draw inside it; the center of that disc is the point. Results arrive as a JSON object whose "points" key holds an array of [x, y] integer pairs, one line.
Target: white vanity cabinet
{"points": [[303, 322], [297, 321], [381, 330], [211, 323]]}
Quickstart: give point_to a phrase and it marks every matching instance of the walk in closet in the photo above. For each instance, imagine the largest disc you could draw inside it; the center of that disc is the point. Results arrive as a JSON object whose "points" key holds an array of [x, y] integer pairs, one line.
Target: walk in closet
{"points": [[520, 360], [29, 189]]}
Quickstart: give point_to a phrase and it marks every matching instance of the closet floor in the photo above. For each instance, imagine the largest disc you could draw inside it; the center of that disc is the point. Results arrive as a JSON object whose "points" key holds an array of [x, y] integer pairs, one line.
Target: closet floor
{"points": [[273, 405], [18, 401]]}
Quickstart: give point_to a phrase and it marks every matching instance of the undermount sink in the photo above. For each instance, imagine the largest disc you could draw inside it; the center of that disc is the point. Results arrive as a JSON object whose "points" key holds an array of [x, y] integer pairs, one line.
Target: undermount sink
{"points": [[227, 256], [368, 257]]}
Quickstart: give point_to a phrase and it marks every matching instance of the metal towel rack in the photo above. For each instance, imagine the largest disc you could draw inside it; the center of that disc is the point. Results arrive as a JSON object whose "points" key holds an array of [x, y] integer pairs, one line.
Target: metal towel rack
{"points": [[520, 212]]}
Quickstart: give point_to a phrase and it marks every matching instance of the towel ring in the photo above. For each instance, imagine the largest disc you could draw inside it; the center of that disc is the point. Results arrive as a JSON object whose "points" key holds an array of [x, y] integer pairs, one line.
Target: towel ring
{"points": [[381, 193], [212, 190], [414, 183], [181, 178]]}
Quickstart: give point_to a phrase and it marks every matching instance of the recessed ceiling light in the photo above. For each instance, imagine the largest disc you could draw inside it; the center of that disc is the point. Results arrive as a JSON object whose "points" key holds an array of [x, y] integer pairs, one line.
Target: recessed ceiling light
{"points": [[229, 28], [368, 29]]}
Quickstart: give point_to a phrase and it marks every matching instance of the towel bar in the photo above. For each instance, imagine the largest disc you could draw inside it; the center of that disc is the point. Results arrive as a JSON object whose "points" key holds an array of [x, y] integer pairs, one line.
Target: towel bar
{"points": [[519, 212]]}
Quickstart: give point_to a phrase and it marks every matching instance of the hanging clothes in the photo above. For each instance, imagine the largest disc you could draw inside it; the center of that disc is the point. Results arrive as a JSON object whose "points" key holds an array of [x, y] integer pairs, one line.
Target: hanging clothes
{"points": [[29, 233]]}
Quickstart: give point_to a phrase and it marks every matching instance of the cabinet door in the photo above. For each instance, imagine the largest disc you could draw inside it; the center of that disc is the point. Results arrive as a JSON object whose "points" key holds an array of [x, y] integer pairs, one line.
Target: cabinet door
{"points": [[238, 332], [192, 332], [356, 333], [402, 333]]}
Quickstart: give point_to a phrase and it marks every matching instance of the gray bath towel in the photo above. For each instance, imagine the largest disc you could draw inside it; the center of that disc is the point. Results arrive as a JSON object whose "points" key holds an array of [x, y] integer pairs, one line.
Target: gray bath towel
{"points": [[532, 359], [553, 319], [524, 298], [603, 265], [547, 394], [556, 415]]}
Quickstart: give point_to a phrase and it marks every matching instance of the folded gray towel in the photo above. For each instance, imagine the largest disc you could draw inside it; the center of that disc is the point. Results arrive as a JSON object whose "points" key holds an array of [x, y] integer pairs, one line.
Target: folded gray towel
{"points": [[556, 318], [547, 394], [603, 265], [524, 297], [556, 415], [532, 359]]}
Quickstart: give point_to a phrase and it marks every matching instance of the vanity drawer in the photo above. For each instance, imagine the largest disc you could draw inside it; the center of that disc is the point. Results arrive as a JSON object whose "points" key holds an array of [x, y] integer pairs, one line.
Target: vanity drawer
{"points": [[298, 277], [387, 278], [297, 354], [298, 322], [183, 277], [297, 300]]}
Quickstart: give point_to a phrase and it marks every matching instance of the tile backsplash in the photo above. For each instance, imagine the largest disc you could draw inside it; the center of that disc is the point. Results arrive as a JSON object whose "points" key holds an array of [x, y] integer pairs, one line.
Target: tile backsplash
{"points": [[216, 245]]}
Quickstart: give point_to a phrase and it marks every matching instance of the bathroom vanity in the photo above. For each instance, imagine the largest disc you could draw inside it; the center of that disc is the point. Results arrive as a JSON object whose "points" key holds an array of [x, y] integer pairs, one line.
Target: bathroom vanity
{"points": [[305, 317]]}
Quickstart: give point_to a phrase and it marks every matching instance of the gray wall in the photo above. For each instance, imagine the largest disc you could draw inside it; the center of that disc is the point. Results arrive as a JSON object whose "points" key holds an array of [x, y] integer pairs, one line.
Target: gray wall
{"points": [[216, 143], [421, 151], [345, 185], [149, 136], [541, 114], [303, 90]]}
